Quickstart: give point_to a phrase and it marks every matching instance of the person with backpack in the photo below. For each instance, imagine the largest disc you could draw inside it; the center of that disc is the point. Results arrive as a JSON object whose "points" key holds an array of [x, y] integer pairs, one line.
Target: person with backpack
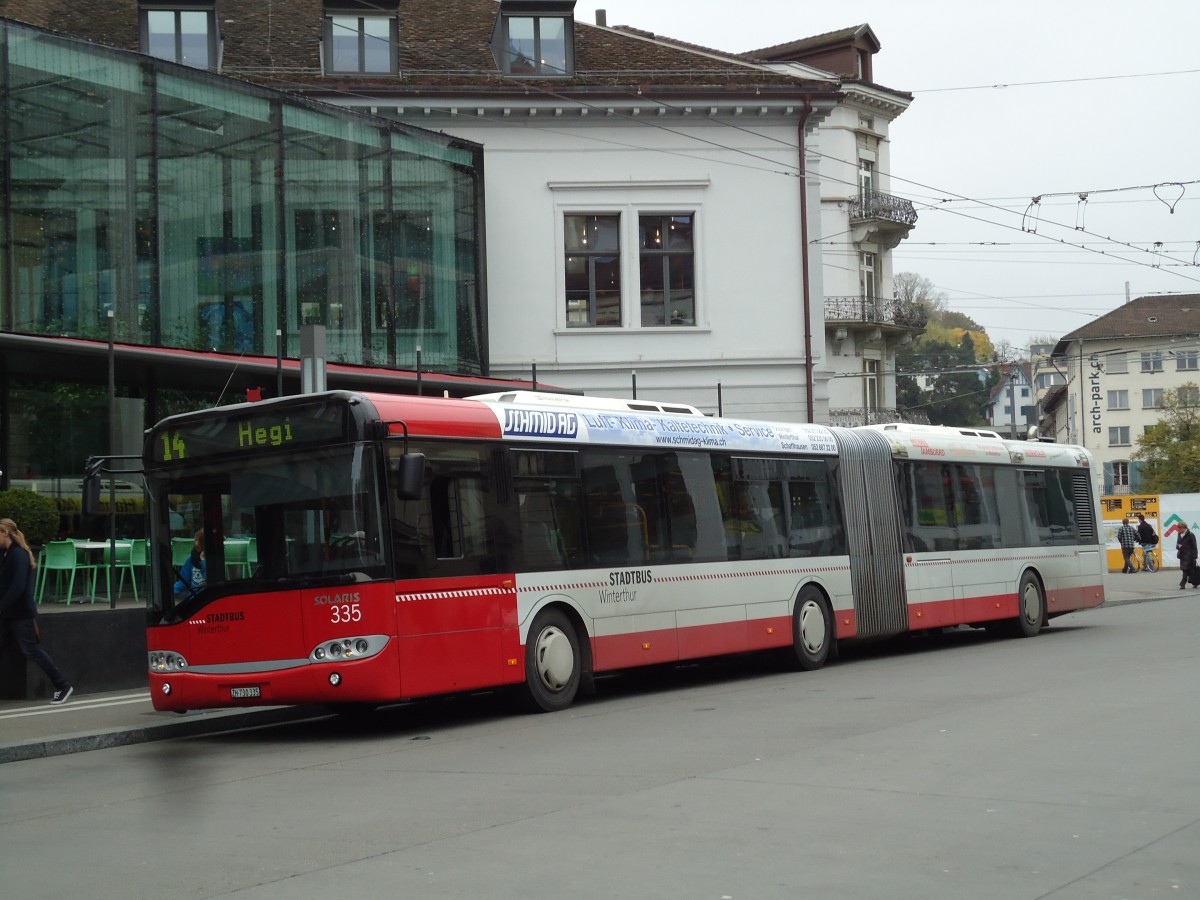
{"points": [[1146, 537]]}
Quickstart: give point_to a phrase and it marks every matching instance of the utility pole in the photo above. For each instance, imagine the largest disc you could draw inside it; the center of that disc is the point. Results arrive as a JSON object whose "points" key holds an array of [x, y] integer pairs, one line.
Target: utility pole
{"points": [[1012, 399]]}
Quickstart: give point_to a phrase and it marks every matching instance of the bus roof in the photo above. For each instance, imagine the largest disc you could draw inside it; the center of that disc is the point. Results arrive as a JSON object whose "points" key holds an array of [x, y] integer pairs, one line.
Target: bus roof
{"points": [[573, 421], [566, 401], [947, 444]]}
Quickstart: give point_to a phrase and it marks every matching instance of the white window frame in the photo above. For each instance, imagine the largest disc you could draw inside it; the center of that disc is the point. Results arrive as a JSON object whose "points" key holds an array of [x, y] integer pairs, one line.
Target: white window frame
{"points": [[866, 179], [334, 12], [1154, 395], [868, 274], [1152, 361], [1187, 361], [1118, 436], [207, 10], [1118, 399], [501, 44], [1120, 474], [663, 198], [872, 382]]}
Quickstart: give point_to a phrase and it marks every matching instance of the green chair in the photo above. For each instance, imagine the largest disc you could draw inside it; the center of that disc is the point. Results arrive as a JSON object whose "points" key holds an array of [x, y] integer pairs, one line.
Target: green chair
{"points": [[138, 558], [236, 557], [181, 549], [39, 577], [61, 558], [123, 554]]}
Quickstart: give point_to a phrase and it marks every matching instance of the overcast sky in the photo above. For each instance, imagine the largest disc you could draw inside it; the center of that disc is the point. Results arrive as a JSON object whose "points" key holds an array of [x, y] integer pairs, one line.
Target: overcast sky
{"points": [[1100, 97]]}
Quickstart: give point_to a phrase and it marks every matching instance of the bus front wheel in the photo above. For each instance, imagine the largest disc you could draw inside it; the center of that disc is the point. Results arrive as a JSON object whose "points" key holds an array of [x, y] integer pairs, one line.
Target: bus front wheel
{"points": [[812, 630], [552, 662]]}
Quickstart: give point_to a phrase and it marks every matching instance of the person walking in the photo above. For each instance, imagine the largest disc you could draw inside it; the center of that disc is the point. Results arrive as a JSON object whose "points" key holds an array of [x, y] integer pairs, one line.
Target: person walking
{"points": [[1185, 549], [1127, 538], [18, 612], [1147, 539]]}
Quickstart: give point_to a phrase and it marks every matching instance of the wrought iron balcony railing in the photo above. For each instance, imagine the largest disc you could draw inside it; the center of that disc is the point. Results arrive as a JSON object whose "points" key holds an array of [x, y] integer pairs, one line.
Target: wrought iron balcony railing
{"points": [[878, 205], [876, 311]]}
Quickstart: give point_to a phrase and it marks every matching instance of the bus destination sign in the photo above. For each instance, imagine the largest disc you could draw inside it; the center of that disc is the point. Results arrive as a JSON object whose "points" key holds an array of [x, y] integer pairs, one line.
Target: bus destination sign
{"points": [[261, 432]]}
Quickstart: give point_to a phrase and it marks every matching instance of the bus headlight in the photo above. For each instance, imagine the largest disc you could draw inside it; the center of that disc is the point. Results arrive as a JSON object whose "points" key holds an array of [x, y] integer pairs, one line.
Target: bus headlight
{"points": [[161, 661], [348, 648]]}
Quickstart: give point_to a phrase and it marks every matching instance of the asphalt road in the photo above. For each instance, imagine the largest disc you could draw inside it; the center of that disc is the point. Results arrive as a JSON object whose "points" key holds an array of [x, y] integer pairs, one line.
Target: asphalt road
{"points": [[957, 766]]}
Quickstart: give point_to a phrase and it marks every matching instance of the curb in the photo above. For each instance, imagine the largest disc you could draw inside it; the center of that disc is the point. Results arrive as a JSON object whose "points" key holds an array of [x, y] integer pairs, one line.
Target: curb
{"points": [[211, 723]]}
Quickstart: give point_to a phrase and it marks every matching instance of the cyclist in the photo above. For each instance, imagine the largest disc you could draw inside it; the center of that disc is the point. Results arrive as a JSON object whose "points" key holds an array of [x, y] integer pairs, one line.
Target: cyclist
{"points": [[1148, 540]]}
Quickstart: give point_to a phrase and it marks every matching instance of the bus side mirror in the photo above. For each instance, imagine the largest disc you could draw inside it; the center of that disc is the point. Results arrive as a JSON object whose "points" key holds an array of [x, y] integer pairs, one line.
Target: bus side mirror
{"points": [[410, 476]]}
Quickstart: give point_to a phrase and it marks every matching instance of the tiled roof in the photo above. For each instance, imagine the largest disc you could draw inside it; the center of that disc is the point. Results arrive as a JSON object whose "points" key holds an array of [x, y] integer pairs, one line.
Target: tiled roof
{"points": [[1156, 316], [444, 45], [817, 41]]}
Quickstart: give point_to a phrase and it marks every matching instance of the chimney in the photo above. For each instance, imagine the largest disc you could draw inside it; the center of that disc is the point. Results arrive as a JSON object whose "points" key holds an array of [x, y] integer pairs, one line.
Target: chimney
{"points": [[602, 18]]}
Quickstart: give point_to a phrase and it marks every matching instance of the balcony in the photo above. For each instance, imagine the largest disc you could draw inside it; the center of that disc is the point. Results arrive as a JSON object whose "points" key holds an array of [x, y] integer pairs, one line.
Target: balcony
{"points": [[880, 217], [895, 315]]}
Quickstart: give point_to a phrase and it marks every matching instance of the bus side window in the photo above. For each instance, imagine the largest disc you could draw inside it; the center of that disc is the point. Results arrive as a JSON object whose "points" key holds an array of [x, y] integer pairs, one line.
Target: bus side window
{"points": [[617, 529], [444, 518], [1036, 510], [459, 519], [932, 525], [541, 534], [976, 508], [816, 527]]}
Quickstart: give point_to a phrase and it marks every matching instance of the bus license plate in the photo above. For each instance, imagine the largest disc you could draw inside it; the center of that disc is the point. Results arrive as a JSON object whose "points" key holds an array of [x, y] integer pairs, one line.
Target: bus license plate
{"points": [[243, 692]]}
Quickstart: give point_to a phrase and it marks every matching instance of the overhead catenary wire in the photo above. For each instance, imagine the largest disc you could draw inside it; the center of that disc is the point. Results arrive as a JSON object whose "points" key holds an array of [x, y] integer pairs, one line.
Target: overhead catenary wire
{"points": [[789, 170]]}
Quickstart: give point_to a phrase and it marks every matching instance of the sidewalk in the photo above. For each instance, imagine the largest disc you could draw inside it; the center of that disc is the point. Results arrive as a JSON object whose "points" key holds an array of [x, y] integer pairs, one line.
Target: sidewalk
{"points": [[34, 729]]}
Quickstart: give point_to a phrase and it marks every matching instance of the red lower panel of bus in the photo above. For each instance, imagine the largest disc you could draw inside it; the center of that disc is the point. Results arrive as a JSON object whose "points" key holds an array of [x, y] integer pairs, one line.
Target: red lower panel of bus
{"points": [[625, 651], [969, 610], [459, 639], [1066, 599], [466, 639]]}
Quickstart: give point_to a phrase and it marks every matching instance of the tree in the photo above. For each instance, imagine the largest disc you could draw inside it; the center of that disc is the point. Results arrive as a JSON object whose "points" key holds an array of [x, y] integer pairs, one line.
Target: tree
{"points": [[35, 514], [913, 288], [957, 394], [1170, 449], [945, 325]]}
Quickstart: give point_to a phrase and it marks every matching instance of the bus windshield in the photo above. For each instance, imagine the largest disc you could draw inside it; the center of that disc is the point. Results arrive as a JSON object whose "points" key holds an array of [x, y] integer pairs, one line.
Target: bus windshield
{"points": [[270, 521]]}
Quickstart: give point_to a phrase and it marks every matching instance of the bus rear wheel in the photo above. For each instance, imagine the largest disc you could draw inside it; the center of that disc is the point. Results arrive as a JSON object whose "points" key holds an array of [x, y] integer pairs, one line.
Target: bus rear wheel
{"points": [[812, 631], [552, 662], [1031, 607]]}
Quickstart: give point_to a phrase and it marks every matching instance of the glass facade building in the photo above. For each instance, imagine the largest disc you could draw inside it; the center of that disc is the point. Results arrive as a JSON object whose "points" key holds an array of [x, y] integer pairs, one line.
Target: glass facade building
{"points": [[161, 206]]}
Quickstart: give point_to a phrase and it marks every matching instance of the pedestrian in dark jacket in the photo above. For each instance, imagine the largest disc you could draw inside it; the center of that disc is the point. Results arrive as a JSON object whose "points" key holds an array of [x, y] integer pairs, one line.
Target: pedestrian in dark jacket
{"points": [[1185, 549], [18, 612], [1127, 538]]}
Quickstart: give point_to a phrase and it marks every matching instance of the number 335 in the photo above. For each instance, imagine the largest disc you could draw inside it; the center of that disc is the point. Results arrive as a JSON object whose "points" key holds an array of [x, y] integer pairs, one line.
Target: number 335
{"points": [[346, 612]]}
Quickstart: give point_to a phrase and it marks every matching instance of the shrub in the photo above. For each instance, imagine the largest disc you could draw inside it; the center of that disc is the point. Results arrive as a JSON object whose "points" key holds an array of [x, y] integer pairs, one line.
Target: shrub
{"points": [[35, 514]]}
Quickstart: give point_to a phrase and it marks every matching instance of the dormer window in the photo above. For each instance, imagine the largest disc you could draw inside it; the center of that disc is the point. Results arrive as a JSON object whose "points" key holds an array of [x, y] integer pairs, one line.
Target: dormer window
{"points": [[182, 32], [360, 38], [535, 38]]}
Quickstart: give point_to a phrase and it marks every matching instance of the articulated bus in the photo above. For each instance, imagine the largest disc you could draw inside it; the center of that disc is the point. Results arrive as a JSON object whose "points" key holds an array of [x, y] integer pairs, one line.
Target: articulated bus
{"points": [[361, 549]]}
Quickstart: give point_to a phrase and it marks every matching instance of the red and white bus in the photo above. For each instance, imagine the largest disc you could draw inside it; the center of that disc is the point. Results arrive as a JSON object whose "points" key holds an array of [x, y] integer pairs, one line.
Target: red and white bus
{"points": [[364, 548]]}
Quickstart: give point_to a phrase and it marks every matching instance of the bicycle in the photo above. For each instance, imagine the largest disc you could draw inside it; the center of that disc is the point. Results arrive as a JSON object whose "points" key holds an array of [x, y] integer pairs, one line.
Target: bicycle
{"points": [[1141, 559]]}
